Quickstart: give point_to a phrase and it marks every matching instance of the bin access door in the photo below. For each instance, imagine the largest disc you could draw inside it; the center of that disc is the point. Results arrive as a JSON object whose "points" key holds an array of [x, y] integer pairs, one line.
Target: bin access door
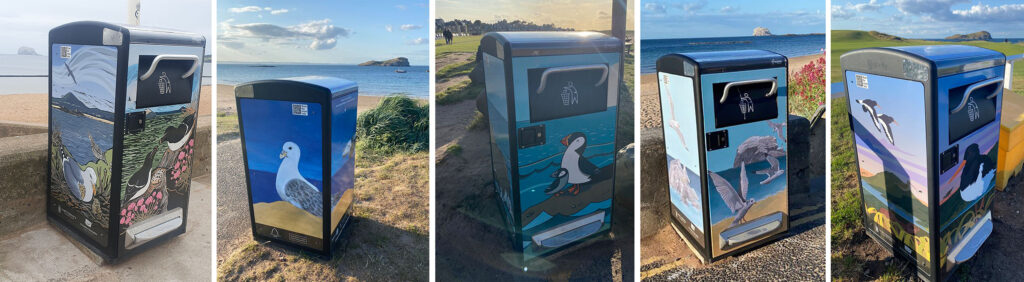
{"points": [[745, 101], [165, 79], [559, 92]]}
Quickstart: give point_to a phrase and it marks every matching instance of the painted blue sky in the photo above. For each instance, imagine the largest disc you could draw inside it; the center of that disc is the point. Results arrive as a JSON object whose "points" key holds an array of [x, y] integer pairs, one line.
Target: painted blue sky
{"points": [[339, 32], [695, 19], [931, 19], [269, 124]]}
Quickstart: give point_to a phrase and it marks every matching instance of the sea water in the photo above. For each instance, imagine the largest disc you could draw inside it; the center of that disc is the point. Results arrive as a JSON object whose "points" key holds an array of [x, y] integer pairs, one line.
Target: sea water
{"points": [[788, 45], [372, 80]]}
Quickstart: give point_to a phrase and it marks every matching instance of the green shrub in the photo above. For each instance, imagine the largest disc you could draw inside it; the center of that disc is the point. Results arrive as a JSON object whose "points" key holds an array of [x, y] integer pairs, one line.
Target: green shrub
{"points": [[397, 124]]}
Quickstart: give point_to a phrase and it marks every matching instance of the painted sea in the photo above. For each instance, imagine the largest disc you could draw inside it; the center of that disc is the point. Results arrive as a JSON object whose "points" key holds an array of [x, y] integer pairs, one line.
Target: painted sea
{"points": [[377, 81], [789, 46]]}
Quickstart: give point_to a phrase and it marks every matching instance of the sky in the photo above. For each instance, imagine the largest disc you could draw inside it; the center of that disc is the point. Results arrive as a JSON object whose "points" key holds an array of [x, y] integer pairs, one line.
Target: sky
{"points": [[28, 24], [660, 19], [583, 14], [337, 32], [931, 19]]}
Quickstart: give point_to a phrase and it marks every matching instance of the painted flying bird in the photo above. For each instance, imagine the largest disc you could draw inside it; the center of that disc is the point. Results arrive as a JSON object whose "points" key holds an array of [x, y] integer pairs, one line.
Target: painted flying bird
{"points": [[761, 148], [70, 73], [887, 122], [868, 106], [737, 202], [177, 136], [294, 188], [777, 127], [679, 180], [138, 184], [673, 123]]}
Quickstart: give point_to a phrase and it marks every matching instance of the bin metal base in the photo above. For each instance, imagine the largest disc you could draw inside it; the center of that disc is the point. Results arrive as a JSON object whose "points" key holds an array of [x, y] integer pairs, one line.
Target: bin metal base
{"points": [[153, 228], [743, 233], [570, 231], [969, 246]]}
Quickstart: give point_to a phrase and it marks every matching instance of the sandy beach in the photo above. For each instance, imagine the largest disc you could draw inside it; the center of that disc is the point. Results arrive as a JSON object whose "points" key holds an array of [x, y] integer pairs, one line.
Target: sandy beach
{"points": [[650, 113], [31, 108]]}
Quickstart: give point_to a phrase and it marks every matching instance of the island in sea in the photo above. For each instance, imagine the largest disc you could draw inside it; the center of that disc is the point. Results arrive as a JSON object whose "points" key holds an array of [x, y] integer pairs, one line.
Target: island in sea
{"points": [[981, 35], [396, 62], [762, 31]]}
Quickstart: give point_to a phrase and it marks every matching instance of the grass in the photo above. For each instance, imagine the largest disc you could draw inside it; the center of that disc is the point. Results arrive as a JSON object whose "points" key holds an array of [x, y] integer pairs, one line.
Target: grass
{"points": [[848, 40], [397, 124], [846, 204], [454, 150], [388, 239], [227, 122], [461, 44], [454, 70], [478, 122], [459, 92]]}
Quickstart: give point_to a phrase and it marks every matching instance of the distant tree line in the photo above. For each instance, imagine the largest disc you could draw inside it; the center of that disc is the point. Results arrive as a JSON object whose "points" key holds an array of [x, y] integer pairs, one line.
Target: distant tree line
{"points": [[478, 27]]}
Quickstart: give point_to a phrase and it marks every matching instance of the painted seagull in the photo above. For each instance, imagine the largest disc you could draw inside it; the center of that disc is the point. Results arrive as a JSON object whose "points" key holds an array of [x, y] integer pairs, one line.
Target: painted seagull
{"points": [[886, 122], [138, 184], [738, 203], [80, 182], [868, 106], [177, 136], [673, 123], [70, 73], [294, 188], [679, 181], [561, 176], [777, 127], [761, 148], [974, 190], [578, 168]]}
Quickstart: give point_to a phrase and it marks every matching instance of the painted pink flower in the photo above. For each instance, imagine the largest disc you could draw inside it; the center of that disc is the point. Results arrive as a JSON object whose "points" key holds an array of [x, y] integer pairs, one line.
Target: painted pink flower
{"points": [[190, 142], [131, 206], [123, 212], [144, 209], [159, 195]]}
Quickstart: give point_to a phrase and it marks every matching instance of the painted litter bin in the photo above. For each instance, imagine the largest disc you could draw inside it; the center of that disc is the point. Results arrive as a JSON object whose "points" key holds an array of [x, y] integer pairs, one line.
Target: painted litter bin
{"points": [[724, 119], [926, 125], [299, 153], [552, 105], [122, 125]]}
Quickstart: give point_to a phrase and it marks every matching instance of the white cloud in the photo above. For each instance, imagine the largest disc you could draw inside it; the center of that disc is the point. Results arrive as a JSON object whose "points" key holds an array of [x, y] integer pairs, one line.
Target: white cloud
{"points": [[323, 34], [388, 28], [400, 7], [655, 8], [694, 6], [411, 27], [279, 11], [850, 10], [1008, 12], [418, 41], [246, 9], [728, 9]]}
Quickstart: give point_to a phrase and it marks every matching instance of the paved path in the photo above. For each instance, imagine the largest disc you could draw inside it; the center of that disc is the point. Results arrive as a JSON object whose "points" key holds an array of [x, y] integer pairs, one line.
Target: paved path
{"points": [[43, 253]]}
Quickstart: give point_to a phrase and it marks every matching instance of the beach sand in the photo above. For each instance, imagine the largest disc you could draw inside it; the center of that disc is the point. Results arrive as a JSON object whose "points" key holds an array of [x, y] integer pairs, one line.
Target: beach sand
{"points": [[31, 108], [650, 111], [226, 100]]}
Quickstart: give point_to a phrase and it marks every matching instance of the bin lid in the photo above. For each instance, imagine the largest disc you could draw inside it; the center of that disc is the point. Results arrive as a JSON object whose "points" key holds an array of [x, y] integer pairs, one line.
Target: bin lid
{"points": [[720, 61], [945, 59], [103, 33], [549, 43], [297, 87]]}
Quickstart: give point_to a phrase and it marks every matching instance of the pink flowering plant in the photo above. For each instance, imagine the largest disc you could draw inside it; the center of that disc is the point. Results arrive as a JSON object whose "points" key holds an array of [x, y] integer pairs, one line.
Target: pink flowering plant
{"points": [[807, 88]]}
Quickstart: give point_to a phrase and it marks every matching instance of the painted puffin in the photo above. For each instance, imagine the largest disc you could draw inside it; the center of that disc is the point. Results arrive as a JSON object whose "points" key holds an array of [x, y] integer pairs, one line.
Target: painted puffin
{"points": [[138, 184], [177, 136], [577, 168]]}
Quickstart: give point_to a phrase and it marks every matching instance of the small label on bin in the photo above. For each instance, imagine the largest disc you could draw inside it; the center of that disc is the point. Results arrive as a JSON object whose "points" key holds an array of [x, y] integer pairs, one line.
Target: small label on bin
{"points": [[862, 81], [65, 52], [300, 110]]}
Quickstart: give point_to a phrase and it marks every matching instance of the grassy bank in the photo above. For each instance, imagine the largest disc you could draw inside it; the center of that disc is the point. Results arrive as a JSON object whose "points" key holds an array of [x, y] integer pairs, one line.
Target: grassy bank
{"points": [[460, 44], [848, 40]]}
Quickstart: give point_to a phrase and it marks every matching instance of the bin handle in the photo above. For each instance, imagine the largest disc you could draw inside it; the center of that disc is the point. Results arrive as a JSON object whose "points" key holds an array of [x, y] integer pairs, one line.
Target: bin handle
{"points": [[976, 86], [544, 76], [725, 92], [152, 67]]}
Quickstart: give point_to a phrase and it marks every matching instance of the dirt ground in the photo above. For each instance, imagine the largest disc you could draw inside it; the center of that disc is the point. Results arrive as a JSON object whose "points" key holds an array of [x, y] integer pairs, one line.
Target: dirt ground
{"points": [[447, 59], [31, 108], [471, 243]]}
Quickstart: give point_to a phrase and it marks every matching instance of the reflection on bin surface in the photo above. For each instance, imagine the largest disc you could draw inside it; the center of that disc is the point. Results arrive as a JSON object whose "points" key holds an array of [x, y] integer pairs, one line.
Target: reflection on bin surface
{"points": [[122, 122], [552, 104], [292, 131], [926, 124], [724, 118]]}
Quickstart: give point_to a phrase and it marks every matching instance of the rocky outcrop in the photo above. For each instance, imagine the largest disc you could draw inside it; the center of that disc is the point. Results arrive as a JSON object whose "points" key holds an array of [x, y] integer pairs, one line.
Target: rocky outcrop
{"points": [[981, 35], [396, 62], [27, 51], [762, 31]]}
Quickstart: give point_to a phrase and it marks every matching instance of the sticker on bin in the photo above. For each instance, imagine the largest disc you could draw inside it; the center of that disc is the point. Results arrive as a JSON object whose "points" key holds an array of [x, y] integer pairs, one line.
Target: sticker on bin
{"points": [[300, 110]]}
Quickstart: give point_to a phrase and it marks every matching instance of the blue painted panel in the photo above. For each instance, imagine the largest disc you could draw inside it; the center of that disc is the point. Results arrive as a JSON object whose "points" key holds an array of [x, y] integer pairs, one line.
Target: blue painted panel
{"points": [[682, 150], [343, 153]]}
